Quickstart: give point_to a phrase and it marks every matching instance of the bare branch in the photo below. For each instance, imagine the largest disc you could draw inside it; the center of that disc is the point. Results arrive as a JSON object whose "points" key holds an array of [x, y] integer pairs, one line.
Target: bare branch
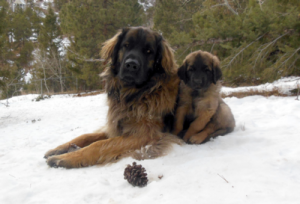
{"points": [[243, 50], [184, 20], [260, 2], [228, 6], [291, 56], [212, 41], [298, 90], [86, 60], [268, 44], [185, 50]]}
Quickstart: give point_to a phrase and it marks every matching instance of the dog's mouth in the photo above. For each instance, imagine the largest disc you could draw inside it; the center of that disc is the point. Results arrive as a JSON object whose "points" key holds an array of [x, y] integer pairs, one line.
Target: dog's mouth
{"points": [[128, 79], [197, 86]]}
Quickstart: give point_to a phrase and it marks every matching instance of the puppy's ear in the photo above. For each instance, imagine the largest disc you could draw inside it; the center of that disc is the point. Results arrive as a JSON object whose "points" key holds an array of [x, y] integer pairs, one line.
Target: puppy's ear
{"points": [[110, 48], [182, 72], [216, 70]]}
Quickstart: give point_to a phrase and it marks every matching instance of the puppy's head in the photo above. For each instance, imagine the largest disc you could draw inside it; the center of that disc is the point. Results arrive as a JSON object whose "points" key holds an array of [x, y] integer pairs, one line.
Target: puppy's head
{"points": [[200, 69], [136, 54]]}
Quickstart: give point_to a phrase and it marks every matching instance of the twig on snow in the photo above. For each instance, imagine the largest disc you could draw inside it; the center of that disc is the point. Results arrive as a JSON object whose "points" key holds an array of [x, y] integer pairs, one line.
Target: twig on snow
{"points": [[223, 178]]}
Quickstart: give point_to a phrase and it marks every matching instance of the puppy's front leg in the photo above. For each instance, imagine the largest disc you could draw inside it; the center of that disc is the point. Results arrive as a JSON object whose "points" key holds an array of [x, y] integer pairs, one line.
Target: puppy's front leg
{"points": [[198, 124], [179, 119]]}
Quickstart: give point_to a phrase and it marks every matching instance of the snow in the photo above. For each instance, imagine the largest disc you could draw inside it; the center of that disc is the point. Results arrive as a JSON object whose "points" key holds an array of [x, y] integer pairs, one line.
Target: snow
{"points": [[28, 77], [65, 42], [257, 163]]}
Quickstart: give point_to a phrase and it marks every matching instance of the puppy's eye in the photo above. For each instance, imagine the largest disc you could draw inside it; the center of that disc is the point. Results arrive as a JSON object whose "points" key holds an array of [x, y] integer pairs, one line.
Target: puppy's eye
{"points": [[126, 45], [148, 51]]}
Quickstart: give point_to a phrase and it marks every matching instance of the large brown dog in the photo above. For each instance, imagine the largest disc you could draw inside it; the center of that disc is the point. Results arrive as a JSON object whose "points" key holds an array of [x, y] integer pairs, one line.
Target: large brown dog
{"points": [[201, 112], [142, 86]]}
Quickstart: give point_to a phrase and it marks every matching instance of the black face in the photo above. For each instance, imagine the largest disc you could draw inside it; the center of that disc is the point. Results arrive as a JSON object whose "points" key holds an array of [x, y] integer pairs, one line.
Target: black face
{"points": [[198, 74], [137, 56]]}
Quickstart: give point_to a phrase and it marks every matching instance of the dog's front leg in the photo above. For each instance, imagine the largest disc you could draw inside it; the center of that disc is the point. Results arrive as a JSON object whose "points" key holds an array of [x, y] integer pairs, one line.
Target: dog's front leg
{"points": [[81, 141], [100, 152]]}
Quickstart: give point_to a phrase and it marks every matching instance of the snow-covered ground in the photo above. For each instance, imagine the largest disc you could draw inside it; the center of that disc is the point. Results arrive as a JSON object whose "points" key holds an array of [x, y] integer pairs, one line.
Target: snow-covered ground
{"points": [[257, 163]]}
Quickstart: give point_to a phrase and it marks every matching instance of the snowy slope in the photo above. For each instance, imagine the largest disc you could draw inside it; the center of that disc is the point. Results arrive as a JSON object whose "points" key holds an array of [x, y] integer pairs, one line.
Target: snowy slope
{"points": [[257, 163]]}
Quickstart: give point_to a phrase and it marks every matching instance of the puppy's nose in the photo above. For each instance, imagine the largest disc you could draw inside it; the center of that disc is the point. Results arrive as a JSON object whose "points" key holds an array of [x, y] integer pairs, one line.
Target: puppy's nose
{"points": [[197, 81], [132, 65]]}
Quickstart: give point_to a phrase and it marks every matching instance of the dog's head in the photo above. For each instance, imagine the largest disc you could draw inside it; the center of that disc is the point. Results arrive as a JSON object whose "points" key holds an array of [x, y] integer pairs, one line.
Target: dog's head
{"points": [[136, 54], [200, 69]]}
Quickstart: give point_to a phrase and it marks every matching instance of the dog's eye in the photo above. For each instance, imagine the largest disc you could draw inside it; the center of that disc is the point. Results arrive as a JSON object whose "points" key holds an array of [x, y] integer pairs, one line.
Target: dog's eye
{"points": [[148, 51], [126, 45], [192, 68]]}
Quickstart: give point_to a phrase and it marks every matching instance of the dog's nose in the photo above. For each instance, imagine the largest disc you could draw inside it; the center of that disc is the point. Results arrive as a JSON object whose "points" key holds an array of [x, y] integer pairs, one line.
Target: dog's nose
{"points": [[132, 65]]}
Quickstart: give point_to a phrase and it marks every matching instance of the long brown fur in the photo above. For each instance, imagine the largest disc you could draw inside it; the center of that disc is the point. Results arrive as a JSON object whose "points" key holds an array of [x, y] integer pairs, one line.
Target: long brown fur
{"points": [[212, 117], [133, 128]]}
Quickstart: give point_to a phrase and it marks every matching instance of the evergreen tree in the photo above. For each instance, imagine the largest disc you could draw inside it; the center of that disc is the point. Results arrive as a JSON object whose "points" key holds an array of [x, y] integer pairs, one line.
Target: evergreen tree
{"points": [[50, 63], [257, 41], [88, 24], [21, 27], [10, 73], [50, 36], [58, 4], [3, 42]]}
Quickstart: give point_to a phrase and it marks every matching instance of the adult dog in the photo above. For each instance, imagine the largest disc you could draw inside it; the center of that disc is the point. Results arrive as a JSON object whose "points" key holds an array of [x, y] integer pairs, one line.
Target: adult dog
{"points": [[142, 86], [201, 112]]}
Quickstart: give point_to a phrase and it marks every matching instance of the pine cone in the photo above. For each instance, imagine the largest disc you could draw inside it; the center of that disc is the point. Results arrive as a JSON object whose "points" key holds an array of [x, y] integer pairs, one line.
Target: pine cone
{"points": [[136, 175]]}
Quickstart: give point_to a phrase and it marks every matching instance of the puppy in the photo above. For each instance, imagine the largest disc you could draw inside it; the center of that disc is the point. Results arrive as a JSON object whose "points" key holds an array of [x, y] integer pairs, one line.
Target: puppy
{"points": [[201, 113]]}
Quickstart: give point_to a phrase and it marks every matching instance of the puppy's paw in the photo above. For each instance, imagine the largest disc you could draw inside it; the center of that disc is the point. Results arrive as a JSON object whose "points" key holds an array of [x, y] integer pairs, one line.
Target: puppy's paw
{"points": [[198, 138]]}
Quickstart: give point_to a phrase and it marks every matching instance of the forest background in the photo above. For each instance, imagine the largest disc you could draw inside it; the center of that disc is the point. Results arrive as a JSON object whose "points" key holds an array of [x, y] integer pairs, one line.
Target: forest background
{"points": [[58, 43]]}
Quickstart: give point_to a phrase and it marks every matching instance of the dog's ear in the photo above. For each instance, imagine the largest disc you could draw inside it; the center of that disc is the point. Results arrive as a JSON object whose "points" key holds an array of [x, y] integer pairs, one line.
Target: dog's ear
{"points": [[167, 60], [216, 70], [110, 48], [158, 57], [182, 72]]}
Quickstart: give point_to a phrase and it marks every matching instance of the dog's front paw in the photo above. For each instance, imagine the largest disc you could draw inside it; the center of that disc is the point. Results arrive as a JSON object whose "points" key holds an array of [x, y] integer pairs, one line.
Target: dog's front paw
{"points": [[56, 151], [62, 150], [69, 160], [53, 161]]}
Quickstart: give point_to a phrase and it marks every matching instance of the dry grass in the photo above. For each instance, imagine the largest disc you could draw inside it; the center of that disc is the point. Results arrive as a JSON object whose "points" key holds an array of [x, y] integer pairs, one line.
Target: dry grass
{"points": [[253, 92]]}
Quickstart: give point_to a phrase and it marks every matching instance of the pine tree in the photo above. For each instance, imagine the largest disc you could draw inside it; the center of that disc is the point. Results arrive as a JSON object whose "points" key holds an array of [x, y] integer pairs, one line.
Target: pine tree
{"points": [[257, 41], [10, 71], [50, 63], [174, 19], [50, 35], [88, 24]]}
